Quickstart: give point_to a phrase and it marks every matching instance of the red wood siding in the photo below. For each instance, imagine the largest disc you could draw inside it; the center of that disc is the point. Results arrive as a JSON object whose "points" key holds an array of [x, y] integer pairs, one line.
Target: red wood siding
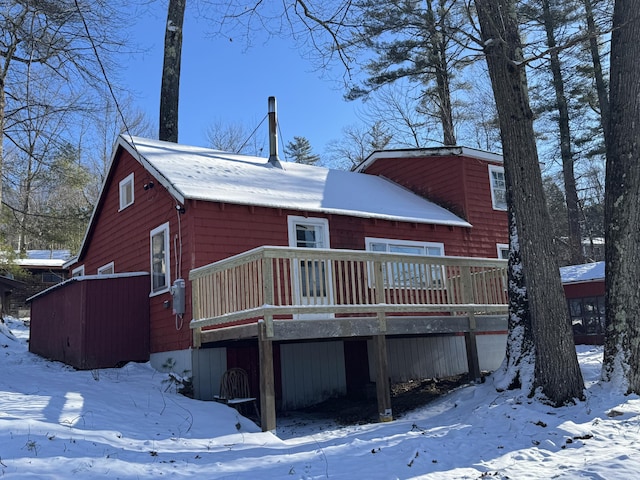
{"points": [[123, 237], [458, 183], [585, 289], [210, 231], [92, 323]]}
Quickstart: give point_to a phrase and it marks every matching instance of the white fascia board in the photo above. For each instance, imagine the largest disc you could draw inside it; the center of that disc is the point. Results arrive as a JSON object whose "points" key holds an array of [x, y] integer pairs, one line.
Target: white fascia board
{"points": [[130, 146], [429, 152]]}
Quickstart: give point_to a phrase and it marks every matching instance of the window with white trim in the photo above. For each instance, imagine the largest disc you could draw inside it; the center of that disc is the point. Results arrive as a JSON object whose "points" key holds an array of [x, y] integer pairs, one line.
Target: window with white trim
{"points": [[503, 251], [409, 275], [78, 271], [106, 269], [310, 233], [159, 256], [126, 191], [498, 187]]}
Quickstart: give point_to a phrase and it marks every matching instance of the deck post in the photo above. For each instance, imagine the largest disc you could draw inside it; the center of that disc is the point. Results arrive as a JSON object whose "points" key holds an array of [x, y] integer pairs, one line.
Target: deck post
{"points": [[267, 387], [469, 296], [268, 293], [383, 389], [473, 361]]}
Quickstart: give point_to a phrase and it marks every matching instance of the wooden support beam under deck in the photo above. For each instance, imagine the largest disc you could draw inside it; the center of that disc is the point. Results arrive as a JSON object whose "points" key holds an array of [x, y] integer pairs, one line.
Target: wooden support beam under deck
{"points": [[349, 327], [267, 387], [383, 389], [472, 350]]}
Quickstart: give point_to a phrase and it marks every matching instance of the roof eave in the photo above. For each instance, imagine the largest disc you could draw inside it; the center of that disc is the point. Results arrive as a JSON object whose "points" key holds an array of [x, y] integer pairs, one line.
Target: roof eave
{"points": [[428, 152]]}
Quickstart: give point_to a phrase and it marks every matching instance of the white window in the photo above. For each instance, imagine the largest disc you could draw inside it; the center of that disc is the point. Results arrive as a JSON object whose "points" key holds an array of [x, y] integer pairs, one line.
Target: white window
{"points": [[126, 191], [409, 275], [78, 271], [308, 232], [106, 269], [312, 274], [159, 243], [498, 187], [503, 251]]}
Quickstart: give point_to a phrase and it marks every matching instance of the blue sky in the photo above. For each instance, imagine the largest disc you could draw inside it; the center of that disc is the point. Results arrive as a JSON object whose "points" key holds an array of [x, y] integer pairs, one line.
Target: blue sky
{"points": [[223, 80]]}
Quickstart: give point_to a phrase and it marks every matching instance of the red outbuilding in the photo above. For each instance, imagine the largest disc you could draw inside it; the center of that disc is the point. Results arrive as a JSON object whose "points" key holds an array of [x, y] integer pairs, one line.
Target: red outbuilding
{"points": [[584, 289]]}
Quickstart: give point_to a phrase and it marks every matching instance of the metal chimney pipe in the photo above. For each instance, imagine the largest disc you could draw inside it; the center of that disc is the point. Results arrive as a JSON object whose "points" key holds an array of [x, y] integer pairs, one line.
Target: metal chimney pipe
{"points": [[273, 134]]}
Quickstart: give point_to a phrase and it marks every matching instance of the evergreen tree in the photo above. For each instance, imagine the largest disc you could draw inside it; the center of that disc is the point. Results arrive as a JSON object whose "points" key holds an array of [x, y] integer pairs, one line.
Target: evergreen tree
{"points": [[299, 150], [422, 41]]}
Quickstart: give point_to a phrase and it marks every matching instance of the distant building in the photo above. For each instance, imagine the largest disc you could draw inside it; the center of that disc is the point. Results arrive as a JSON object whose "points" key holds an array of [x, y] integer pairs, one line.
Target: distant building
{"points": [[584, 290], [46, 268]]}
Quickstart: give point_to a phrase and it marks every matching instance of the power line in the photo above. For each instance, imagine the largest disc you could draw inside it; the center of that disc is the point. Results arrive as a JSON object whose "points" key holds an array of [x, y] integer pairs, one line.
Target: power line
{"points": [[104, 74]]}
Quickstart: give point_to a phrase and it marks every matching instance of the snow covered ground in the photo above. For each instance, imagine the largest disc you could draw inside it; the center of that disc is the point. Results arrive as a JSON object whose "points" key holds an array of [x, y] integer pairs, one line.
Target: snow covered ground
{"points": [[128, 423]]}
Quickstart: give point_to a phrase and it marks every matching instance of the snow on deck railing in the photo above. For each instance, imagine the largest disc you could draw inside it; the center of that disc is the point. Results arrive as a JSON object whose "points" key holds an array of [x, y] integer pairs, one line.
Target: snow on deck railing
{"points": [[287, 281]]}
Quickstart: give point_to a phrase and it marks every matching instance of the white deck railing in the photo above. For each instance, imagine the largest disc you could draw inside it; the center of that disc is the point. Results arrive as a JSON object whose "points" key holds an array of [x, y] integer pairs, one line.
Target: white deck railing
{"points": [[309, 283]]}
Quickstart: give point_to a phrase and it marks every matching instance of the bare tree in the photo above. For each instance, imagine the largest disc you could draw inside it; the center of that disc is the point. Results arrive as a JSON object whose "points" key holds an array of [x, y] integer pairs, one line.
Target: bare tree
{"points": [[234, 138], [53, 37], [357, 143]]}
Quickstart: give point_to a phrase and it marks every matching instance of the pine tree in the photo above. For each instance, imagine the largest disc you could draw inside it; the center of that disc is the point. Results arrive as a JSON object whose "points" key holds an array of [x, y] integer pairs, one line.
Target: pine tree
{"points": [[419, 41], [299, 150]]}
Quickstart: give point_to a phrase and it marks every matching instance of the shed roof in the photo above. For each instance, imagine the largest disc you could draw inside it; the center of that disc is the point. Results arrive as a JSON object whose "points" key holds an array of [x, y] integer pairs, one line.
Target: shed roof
{"points": [[200, 173], [587, 272]]}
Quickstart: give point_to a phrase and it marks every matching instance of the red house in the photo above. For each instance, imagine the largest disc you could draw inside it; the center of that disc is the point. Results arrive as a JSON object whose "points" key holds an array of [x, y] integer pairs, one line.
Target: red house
{"points": [[317, 282]]}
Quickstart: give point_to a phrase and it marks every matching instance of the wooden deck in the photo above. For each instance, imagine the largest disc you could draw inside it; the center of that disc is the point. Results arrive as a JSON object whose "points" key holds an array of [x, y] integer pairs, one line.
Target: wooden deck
{"points": [[280, 293]]}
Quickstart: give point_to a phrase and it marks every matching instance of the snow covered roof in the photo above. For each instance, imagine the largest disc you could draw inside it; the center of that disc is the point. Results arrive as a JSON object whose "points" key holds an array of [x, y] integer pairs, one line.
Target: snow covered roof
{"points": [[204, 174], [44, 258], [428, 152], [582, 273]]}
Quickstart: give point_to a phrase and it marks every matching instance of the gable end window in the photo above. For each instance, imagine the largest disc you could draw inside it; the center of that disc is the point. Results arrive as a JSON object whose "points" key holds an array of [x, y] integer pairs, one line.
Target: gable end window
{"points": [[78, 271], [498, 187], [126, 192], [106, 269], [159, 254]]}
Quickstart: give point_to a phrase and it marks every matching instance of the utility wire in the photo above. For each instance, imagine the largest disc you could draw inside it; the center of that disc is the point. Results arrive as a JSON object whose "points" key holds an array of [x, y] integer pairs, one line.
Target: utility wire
{"points": [[104, 74]]}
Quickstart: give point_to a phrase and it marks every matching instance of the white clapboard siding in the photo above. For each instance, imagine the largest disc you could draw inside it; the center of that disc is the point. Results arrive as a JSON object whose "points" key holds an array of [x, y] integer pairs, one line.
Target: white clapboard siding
{"points": [[311, 373]]}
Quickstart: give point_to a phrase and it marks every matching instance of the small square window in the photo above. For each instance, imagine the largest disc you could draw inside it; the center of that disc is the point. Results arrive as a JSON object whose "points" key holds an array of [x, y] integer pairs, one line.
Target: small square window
{"points": [[498, 187], [78, 272], [126, 192]]}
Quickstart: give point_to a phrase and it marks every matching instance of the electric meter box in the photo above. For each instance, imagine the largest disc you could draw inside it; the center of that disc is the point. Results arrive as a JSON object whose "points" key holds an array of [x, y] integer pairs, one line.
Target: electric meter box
{"points": [[178, 294]]}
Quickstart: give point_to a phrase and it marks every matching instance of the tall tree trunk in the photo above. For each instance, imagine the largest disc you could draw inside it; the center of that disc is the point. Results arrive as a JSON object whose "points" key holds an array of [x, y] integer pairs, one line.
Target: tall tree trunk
{"points": [[601, 85], [3, 104], [556, 371], [170, 90], [438, 53], [622, 202], [571, 193], [515, 372]]}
